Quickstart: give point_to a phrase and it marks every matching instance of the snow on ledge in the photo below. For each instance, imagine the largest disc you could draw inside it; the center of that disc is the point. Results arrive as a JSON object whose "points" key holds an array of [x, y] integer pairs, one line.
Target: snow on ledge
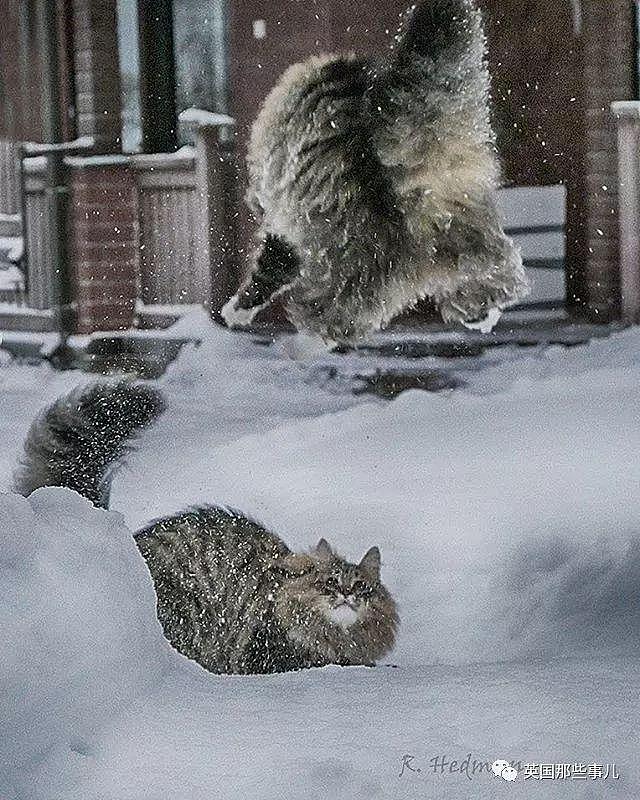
{"points": [[200, 117], [629, 109], [108, 160], [44, 148], [182, 158]]}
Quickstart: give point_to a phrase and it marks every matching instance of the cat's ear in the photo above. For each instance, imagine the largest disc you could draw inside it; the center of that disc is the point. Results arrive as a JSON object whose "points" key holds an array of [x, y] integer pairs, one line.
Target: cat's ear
{"points": [[371, 563], [323, 550]]}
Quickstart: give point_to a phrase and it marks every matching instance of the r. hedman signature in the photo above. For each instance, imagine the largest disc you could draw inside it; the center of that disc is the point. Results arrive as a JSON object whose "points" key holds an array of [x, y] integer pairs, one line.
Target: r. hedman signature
{"points": [[469, 766], [509, 770]]}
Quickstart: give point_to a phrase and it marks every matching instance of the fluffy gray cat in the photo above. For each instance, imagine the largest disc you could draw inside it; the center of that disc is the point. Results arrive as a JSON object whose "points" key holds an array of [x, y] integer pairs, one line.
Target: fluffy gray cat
{"points": [[374, 184], [231, 595]]}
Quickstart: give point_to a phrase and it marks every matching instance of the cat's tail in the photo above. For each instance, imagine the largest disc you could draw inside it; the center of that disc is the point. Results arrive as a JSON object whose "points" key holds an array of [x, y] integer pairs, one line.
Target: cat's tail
{"points": [[435, 81], [79, 441], [437, 31]]}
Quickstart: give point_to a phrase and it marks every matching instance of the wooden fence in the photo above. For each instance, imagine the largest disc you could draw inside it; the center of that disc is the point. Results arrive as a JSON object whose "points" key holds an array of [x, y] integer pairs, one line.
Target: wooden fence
{"points": [[182, 225], [38, 235], [184, 232], [172, 268]]}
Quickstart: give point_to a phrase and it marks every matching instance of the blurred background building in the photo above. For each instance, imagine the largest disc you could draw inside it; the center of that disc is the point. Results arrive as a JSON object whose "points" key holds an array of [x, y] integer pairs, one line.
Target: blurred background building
{"points": [[131, 208]]}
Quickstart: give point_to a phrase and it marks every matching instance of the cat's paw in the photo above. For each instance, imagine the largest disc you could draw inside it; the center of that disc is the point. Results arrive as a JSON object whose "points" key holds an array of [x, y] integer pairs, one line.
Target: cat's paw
{"points": [[236, 317], [479, 305], [487, 323]]}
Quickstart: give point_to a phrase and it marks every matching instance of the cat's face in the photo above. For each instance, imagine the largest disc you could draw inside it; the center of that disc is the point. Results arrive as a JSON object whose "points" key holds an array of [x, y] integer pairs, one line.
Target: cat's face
{"points": [[344, 592], [337, 591], [339, 612]]}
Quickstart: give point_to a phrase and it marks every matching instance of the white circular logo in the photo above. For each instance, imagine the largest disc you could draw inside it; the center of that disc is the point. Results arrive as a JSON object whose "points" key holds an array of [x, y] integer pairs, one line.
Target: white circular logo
{"points": [[503, 769]]}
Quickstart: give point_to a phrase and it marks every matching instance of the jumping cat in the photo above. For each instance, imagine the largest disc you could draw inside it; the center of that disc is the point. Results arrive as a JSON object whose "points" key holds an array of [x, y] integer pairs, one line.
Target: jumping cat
{"points": [[230, 594], [373, 183]]}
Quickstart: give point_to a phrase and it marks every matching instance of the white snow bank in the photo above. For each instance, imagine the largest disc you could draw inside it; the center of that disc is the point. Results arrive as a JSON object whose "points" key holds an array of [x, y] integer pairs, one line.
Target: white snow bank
{"points": [[95, 706], [507, 515], [505, 511], [78, 629]]}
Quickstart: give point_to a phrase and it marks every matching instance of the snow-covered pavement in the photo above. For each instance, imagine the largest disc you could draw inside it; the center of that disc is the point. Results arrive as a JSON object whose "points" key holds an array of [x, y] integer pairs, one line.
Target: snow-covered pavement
{"points": [[508, 518]]}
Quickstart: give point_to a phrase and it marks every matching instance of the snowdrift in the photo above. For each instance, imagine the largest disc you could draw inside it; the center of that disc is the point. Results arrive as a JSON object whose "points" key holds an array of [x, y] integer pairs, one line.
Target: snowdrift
{"points": [[507, 516], [80, 637], [98, 707], [506, 513]]}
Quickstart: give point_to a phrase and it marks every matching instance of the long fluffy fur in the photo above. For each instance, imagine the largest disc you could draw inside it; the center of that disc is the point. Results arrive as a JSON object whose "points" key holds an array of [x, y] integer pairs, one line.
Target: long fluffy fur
{"points": [[378, 180], [79, 441], [234, 598]]}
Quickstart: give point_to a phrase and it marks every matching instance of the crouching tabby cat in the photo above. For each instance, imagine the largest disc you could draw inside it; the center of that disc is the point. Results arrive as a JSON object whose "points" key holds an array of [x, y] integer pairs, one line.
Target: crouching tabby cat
{"points": [[231, 595]]}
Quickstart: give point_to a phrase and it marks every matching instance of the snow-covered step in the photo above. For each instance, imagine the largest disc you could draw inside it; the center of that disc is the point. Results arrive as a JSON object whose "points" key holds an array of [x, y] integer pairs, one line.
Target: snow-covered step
{"points": [[535, 217], [11, 284]]}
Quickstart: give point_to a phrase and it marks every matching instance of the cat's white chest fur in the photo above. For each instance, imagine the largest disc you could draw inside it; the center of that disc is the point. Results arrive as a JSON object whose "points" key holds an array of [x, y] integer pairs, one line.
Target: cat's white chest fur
{"points": [[343, 615]]}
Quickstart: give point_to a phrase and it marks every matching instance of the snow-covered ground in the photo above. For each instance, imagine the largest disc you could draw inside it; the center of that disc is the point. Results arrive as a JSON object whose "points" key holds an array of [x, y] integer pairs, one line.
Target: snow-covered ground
{"points": [[508, 517]]}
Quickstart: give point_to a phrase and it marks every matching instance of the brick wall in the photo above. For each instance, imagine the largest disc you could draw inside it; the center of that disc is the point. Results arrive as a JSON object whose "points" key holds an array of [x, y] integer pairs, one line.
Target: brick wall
{"points": [[293, 30], [533, 58], [609, 47], [104, 244], [97, 72]]}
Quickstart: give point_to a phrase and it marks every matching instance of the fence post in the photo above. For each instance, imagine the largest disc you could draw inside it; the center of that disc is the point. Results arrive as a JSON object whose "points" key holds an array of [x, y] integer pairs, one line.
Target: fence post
{"points": [[215, 180], [627, 115]]}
